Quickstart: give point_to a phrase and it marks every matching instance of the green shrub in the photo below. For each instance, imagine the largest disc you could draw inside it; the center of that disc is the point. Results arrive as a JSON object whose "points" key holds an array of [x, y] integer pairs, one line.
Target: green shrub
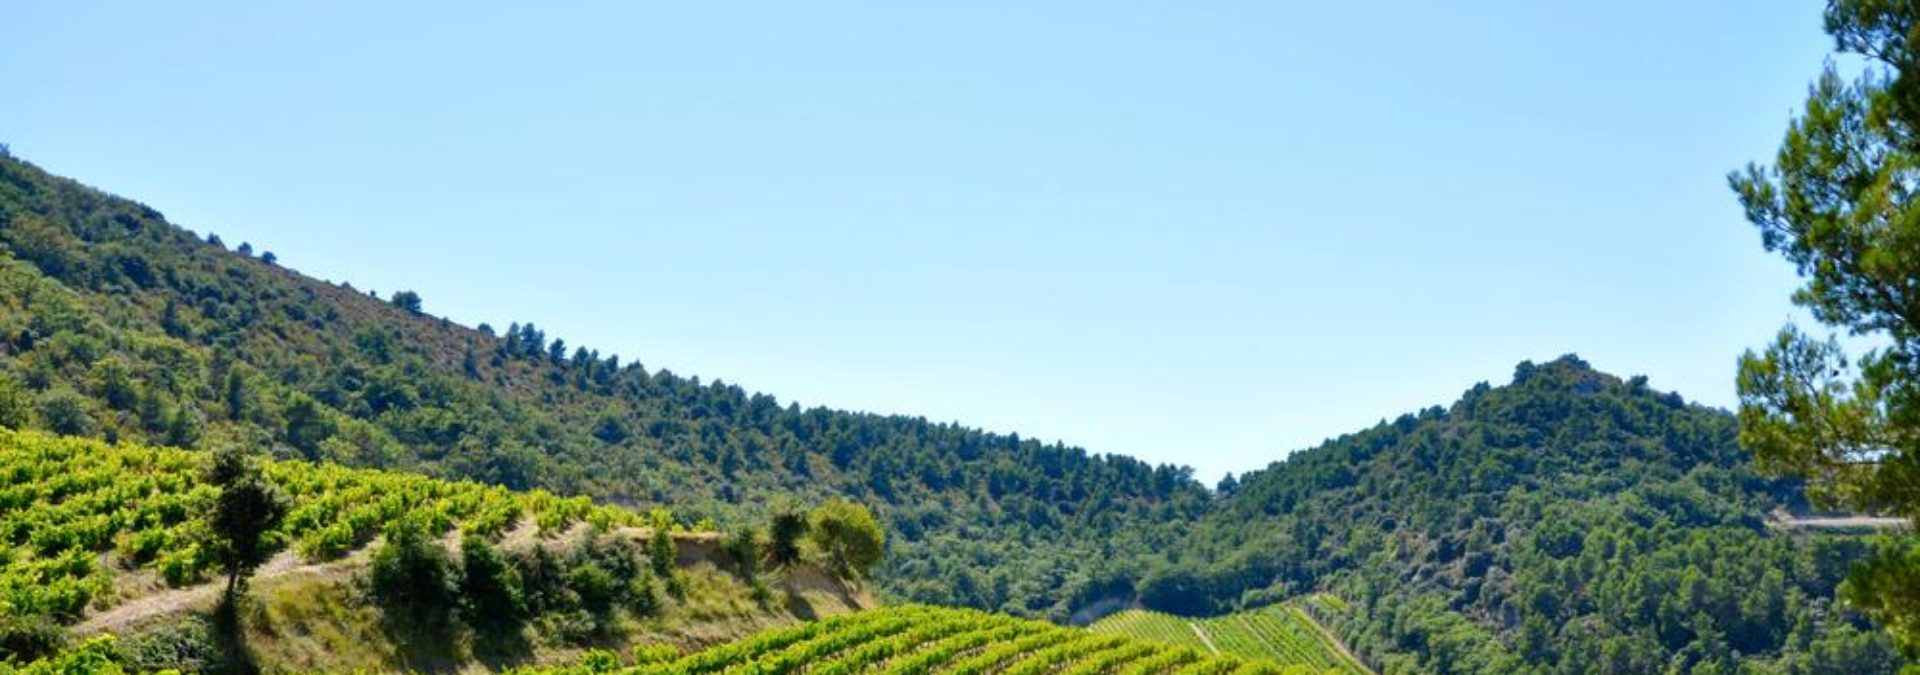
{"points": [[490, 595], [849, 535], [29, 637], [412, 579]]}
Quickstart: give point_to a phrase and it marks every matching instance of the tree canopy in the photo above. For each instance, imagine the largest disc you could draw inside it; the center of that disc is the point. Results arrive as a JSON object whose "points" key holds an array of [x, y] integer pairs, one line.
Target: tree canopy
{"points": [[1838, 202]]}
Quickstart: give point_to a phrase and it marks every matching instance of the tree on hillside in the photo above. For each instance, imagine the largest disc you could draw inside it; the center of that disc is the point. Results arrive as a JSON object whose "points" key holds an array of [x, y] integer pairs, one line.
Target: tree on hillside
{"points": [[16, 405], [248, 508], [407, 300], [787, 528], [489, 588], [1839, 202], [849, 535], [413, 579]]}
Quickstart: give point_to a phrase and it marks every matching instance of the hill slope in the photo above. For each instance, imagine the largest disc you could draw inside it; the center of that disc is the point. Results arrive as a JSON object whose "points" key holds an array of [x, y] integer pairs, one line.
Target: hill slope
{"points": [[1282, 633], [111, 539], [117, 324], [1570, 521], [916, 639]]}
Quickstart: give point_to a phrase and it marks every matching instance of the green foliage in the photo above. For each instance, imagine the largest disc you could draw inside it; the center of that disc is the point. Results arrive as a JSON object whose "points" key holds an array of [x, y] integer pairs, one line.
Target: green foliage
{"points": [[914, 640], [247, 509], [407, 301], [65, 501], [743, 548], [218, 348], [413, 579], [1279, 633], [787, 529], [25, 638], [848, 534], [661, 553], [16, 406], [489, 589], [99, 655], [1567, 522], [1838, 203], [644, 655], [64, 411]]}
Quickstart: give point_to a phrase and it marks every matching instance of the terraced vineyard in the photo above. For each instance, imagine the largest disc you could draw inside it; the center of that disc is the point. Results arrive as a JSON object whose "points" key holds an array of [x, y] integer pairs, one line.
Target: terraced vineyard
{"points": [[72, 511], [1280, 633], [919, 640]]}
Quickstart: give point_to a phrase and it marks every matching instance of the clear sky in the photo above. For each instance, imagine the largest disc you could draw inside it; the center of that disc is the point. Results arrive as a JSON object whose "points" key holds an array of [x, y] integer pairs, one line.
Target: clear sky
{"points": [[1207, 233]]}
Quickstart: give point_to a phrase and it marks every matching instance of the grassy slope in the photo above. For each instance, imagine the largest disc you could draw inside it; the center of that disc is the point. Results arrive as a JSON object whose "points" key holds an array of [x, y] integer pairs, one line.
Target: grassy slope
{"points": [[323, 623]]}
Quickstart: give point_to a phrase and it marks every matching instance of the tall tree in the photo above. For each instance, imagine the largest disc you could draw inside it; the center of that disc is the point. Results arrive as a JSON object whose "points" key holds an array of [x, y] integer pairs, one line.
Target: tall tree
{"points": [[1839, 203], [248, 508]]}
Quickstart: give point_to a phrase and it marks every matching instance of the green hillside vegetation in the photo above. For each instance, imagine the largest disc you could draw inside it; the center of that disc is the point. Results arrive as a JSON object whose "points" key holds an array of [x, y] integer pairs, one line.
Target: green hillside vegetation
{"points": [[1281, 633], [919, 640], [64, 502], [1568, 522], [118, 325], [419, 573]]}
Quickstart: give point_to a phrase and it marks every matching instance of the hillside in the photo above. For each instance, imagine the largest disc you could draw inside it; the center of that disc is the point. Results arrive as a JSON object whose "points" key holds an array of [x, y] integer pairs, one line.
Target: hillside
{"points": [[1283, 633], [113, 540], [1570, 521], [915, 639], [117, 324]]}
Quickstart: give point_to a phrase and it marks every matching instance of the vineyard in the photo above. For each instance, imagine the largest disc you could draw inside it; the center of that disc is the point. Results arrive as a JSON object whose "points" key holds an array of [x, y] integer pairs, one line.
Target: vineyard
{"points": [[73, 512], [1280, 633], [919, 640]]}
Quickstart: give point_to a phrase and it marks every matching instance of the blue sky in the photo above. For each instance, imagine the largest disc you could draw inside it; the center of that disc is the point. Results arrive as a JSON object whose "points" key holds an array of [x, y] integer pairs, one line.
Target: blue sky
{"points": [[1202, 233]]}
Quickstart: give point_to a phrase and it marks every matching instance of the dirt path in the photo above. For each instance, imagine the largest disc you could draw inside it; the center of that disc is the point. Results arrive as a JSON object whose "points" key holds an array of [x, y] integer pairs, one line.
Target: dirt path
{"points": [[286, 564], [1203, 637], [203, 596], [1843, 522]]}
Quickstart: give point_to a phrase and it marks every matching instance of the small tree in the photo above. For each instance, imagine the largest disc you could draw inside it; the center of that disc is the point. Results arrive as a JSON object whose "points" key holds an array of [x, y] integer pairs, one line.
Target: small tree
{"points": [[247, 510], [64, 412], [16, 406], [490, 594], [743, 545], [412, 578], [660, 549], [407, 300], [849, 535], [787, 529]]}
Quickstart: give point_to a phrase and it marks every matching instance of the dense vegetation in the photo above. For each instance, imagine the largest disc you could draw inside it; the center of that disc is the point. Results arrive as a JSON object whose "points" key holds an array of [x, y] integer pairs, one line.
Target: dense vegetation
{"points": [[65, 501], [76, 514], [1279, 633], [916, 639], [115, 324], [1568, 522], [1838, 202]]}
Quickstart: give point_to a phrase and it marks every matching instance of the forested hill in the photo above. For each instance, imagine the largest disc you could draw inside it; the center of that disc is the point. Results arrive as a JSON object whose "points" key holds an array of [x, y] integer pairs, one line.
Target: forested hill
{"points": [[1568, 522], [117, 324]]}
